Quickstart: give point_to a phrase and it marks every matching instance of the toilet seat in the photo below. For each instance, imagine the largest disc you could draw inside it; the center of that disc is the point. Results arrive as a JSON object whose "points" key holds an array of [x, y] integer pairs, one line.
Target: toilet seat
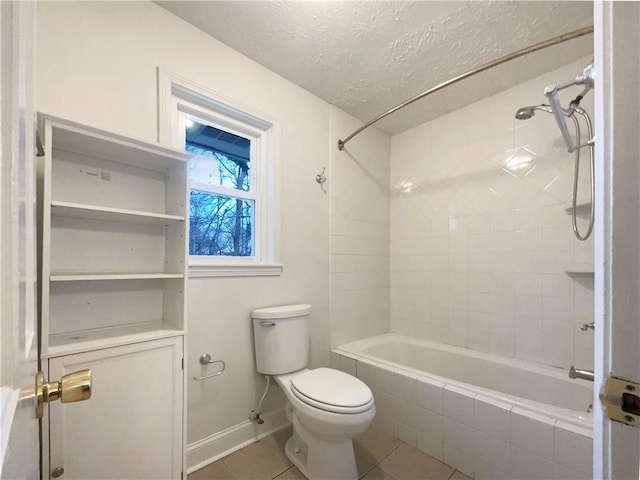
{"points": [[332, 391]]}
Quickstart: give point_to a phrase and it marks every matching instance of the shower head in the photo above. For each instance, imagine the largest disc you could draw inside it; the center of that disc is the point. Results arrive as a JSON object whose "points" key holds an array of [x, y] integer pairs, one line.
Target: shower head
{"points": [[525, 113]]}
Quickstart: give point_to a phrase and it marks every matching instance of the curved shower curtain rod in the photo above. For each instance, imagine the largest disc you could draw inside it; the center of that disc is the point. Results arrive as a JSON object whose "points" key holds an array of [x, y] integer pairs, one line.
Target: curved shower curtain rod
{"points": [[499, 61]]}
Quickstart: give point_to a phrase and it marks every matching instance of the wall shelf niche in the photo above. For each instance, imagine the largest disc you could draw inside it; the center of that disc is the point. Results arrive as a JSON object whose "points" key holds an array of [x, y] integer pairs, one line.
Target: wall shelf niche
{"points": [[113, 217]]}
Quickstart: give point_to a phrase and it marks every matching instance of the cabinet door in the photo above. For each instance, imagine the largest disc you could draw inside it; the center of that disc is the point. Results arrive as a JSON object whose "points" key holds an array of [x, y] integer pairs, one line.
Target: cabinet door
{"points": [[131, 428]]}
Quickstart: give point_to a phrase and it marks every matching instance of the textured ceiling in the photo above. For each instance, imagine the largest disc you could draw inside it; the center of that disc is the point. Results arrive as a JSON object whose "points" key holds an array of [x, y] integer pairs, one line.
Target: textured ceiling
{"points": [[366, 57]]}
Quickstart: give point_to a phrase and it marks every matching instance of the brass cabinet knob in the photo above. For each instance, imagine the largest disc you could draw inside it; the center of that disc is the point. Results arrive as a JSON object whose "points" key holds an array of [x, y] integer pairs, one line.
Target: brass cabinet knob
{"points": [[73, 387]]}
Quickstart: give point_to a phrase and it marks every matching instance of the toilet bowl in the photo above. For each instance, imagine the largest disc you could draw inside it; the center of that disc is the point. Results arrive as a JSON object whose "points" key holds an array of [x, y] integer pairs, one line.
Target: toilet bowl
{"points": [[327, 407], [325, 420]]}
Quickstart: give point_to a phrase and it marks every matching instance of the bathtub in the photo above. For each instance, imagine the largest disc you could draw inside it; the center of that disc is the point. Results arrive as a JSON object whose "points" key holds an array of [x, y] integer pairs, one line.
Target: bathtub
{"points": [[488, 416]]}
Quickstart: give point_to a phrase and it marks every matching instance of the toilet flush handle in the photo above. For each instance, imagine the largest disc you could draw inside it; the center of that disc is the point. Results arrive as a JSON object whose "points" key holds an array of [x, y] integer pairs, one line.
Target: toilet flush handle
{"points": [[267, 323]]}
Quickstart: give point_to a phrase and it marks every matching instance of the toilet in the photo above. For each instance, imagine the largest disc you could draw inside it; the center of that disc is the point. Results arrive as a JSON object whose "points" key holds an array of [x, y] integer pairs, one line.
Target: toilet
{"points": [[327, 407]]}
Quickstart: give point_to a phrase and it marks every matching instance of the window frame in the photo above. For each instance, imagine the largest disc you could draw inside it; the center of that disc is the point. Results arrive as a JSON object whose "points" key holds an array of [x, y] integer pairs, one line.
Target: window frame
{"points": [[180, 99]]}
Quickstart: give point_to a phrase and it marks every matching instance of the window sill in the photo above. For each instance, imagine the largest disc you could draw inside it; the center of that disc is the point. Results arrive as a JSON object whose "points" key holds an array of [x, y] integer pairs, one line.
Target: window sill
{"points": [[234, 270]]}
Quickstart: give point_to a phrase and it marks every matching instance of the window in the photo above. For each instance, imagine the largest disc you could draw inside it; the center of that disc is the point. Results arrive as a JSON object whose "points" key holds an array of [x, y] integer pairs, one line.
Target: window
{"points": [[223, 191], [231, 178]]}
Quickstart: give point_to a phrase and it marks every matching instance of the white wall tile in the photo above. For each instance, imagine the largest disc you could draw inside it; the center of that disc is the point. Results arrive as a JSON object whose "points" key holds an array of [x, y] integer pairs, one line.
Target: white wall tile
{"points": [[360, 233], [532, 432], [405, 387], [492, 417], [562, 472], [573, 448], [526, 465], [430, 395], [458, 436], [459, 460], [406, 433], [482, 471], [459, 405], [431, 445], [492, 451], [488, 232]]}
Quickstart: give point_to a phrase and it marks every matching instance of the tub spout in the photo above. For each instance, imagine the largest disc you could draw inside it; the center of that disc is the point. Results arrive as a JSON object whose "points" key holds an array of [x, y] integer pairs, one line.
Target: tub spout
{"points": [[579, 373]]}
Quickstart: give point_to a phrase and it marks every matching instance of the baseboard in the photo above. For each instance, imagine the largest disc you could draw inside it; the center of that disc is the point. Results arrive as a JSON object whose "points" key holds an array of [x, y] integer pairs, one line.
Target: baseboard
{"points": [[212, 448]]}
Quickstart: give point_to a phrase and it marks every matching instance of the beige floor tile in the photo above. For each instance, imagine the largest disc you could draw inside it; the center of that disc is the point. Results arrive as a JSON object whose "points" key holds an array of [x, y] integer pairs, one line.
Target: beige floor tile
{"points": [[377, 474], [292, 474], [371, 447], [281, 436], [409, 463], [458, 476], [262, 460], [214, 471]]}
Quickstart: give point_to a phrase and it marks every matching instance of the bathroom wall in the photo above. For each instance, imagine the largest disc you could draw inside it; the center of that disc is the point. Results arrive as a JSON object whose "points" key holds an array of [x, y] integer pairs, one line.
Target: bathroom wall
{"points": [[96, 64], [480, 239], [359, 231]]}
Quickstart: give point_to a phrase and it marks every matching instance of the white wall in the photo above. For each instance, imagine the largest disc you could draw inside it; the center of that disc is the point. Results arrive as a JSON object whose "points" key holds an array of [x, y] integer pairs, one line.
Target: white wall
{"points": [[478, 252], [96, 64], [359, 231]]}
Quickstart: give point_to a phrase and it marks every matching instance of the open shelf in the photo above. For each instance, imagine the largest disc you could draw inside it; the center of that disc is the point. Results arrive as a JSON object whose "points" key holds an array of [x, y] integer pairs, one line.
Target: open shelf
{"points": [[92, 212], [580, 269], [83, 277], [582, 209], [72, 137], [86, 340]]}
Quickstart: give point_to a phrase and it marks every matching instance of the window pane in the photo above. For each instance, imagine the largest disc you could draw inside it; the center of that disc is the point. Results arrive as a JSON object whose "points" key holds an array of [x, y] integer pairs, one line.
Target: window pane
{"points": [[220, 225], [219, 158]]}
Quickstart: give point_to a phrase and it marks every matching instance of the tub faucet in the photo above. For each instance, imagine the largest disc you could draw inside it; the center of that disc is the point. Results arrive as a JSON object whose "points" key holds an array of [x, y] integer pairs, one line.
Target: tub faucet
{"points": [[579, 373]]}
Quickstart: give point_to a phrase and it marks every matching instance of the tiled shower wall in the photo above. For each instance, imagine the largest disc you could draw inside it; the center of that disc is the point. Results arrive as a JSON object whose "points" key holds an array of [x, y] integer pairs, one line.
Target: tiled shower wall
{"points": [[481, 242], [359, 232]]}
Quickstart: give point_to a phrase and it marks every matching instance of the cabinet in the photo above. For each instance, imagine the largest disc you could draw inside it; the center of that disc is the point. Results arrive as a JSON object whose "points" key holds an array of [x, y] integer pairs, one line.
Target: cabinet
{"points": [[113, 219], [131, 427], [113, 236]]}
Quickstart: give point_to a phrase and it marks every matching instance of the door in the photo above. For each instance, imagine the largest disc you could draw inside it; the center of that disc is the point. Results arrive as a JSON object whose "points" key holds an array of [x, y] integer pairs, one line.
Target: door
{"points": [[19, 435], [617, 281]]}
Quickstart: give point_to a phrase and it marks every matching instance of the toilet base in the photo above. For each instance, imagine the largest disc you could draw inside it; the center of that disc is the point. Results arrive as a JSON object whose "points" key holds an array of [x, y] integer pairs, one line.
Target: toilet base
{"points": [[325, 461], [296, 451]]}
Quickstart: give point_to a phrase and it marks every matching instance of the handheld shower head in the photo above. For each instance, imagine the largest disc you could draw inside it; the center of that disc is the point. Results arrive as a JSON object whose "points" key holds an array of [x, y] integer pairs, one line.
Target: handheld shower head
{"points": [[525, 113]]}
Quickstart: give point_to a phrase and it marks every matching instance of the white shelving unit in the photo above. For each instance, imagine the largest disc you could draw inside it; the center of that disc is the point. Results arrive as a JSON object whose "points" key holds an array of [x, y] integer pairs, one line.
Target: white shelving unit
{"points": [[113, 218]]}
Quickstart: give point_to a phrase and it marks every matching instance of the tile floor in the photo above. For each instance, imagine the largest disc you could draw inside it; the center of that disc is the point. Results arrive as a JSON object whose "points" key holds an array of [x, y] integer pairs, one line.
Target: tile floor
{"points": [[378, 455]]}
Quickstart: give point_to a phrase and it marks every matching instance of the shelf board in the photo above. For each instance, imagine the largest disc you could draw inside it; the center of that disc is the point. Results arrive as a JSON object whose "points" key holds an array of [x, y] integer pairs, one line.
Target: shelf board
{"points": [[86, 340], [92, 212], [85, 140], [83, 277], [582, 209], [580, 269]]}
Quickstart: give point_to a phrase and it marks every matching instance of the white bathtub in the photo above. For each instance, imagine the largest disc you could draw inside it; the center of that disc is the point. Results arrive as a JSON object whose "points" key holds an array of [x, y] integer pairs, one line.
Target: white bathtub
{"points": [[488, 416]]}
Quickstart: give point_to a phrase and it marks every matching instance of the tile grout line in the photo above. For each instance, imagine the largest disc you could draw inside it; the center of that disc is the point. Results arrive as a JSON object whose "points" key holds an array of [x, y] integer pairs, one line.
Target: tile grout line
{"points": [[383, 458]]}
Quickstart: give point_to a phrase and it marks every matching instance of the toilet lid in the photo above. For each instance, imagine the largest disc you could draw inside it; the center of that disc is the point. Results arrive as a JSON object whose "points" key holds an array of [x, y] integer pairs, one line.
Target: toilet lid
{"points": [[332, 390]]}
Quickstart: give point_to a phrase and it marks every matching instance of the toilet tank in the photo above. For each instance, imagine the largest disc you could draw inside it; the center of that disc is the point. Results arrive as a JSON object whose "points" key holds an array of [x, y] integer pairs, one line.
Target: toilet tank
{"points": [[281, 336]]}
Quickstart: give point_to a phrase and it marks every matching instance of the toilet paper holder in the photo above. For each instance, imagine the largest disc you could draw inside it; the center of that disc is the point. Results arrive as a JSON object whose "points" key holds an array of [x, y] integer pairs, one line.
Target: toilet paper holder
{"points": [[206, 359]]}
